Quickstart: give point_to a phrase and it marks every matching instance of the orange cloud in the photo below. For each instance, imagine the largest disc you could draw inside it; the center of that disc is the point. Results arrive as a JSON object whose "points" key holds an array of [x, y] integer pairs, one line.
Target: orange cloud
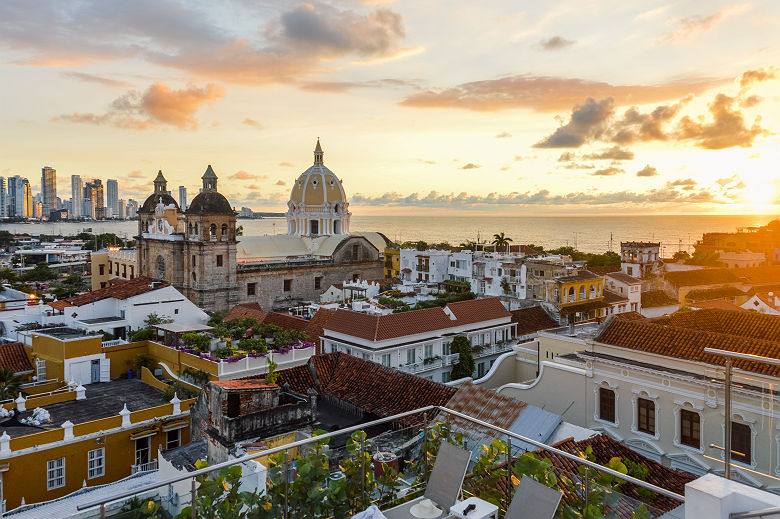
{"points": [[243, 175], [251, 122], [158, 105]]}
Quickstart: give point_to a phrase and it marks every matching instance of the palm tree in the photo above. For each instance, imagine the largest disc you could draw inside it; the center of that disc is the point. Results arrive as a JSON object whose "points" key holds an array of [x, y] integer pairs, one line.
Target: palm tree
{"points": [[500, 239], [10, 384]]}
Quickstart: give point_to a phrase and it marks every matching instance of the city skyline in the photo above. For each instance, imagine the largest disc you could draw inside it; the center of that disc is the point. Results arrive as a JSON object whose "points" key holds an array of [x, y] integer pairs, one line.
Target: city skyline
{"points": [[663, 109]]}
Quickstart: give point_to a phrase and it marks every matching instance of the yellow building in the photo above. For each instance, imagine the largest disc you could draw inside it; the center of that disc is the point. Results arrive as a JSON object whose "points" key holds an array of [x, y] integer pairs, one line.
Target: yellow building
{"points": [[392, 263], [580, 295], [112, 263]]}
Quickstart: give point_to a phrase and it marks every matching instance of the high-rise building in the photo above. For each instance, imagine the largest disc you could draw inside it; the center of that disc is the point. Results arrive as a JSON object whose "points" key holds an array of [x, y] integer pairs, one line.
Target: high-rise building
{"points": [[48, 189], [132, 208], [93, 192], [38, 209], [120, 209], [77, 190], [3, 198], [20, 201], [183, 198], [112, 196], [87, 208]]}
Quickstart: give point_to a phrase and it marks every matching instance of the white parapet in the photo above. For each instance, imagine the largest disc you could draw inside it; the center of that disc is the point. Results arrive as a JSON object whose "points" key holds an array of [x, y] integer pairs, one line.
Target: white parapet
{"points": [[714, 497]]}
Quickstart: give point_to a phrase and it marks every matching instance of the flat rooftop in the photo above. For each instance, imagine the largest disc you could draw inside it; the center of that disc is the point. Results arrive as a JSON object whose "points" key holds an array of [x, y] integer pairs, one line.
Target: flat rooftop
{"points": [[104, 399], [101, 320], [61, 332], [581, 331]]}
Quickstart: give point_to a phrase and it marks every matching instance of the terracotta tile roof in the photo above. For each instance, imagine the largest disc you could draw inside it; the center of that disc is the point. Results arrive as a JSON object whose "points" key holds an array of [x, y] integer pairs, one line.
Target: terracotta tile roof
{"points": [[713, 293], [701, 277], [630, 316], [13, 355], [286, 321], [624, 278], [720, 303], [372, 387], [604, 270], [759, 275], [531, 320], [314, 327], [252, 310], [679, 337], [382, 327], [242, 383], [123, 290], [655, 298], [581, 275], [611, 298], [485, 405]]}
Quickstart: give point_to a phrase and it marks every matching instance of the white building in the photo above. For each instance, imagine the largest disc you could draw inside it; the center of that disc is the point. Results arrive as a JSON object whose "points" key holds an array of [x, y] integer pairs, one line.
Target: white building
{"points": [[183, 198], [738, 260], [461, 265], [77, 196], [360, 289], [112, 197], [429, 266], [419, 341], [637, 258], [122, 307], [625, 286]]}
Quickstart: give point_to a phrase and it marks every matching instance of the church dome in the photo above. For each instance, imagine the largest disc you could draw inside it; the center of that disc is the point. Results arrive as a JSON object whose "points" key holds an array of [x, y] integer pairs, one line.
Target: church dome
{"points": [[160, 193], [209, 200], [317, 186]]}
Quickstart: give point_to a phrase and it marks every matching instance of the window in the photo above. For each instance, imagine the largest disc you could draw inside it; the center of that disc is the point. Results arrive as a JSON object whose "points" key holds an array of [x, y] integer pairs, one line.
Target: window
{"points": [[132, 272], [288, 285], [356, 252], [55, 473], [124, 271], [110, 267], [315, 227], [102, 269], [193, 260], [213, 231], [250, 289], [445, 376], [175, 310], [428, 351], [224, 234], [219, 260], [96, 463], [142, 451], [318, 282], [446, 348], [690, 428], [741, 438], [607, 404], [481, 370], [233, 405], [410, 356], [645, 419], [172, 439], [386, 360]]}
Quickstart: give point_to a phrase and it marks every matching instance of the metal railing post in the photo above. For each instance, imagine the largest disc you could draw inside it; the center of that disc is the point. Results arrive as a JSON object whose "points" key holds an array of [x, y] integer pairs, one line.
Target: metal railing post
{"points": [[194, 498], [510, 487], [103, 511], [286, 485], [727, 432], [363, 468], [425, 445]]}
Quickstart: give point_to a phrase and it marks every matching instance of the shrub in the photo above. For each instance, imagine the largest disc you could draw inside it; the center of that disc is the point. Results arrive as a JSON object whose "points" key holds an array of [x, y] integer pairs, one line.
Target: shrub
{"points": [[199, 341], [465, 366], [224, 352], [144, 334], [142, 360], [253, 345]]}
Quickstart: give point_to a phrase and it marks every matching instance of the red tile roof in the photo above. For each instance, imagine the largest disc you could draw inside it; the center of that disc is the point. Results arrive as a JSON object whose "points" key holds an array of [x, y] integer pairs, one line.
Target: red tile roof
{"points": [[372, 387], [483, 404], [701, 277], [759, 275], [531, 320], [720, 303], [13, 355], [391, 326], [684, 335], [251, 310], [604, 270], [122, 290], [703, 294], [630, 316]]}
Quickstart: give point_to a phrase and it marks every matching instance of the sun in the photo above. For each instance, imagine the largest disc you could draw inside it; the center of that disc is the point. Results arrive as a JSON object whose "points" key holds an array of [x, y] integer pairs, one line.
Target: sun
{"points": [[760, 192]]}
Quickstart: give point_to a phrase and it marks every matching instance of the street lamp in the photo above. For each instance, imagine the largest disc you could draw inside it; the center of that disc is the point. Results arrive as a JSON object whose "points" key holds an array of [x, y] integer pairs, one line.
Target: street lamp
{"points": [[734, 355]]}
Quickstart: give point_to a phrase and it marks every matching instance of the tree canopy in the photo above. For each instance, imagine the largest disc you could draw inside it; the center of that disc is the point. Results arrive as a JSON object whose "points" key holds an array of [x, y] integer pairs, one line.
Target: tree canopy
{"points": [[465, 366]]}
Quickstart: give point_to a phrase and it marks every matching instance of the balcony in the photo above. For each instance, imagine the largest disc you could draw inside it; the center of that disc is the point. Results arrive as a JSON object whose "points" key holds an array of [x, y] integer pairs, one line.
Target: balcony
{"points": [[318, 478], [423, 268], [143, 467], [492, 349]]}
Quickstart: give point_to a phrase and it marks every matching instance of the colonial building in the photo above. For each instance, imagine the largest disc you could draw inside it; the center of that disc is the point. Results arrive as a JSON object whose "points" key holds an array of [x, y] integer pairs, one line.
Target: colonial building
{"points": [[197, 251]]}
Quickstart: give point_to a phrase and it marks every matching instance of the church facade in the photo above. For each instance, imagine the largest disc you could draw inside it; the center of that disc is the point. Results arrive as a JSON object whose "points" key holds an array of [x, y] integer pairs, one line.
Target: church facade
{"points": [[198, 252]]}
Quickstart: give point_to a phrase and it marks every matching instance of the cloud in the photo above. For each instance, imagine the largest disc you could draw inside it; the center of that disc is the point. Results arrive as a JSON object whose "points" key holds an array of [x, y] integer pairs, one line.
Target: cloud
{"points": [[726, 127], [300, 40], [608, 172], [254, 187], [92, 78], [429, 162], [643, 127], [723, 182], [682, 182], [285, 164], [613, 153], [545, 93], [647, 171], [505, 168], [158, 105], [251, 122], [280, 183], [750, 101], [578, 165], [243, 175], [587, 122], [503, 135], [751, 77], [695, 25], [136, 174], [337, 87], [555, 43], [470, 165]]}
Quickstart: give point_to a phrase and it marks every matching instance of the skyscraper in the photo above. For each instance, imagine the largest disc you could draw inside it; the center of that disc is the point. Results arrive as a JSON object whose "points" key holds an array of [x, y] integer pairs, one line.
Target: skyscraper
{"points": [[3, 198], [183, 198], [77, 189], [93, 193], [112, 196], [120, 209], [20, 200], [48, 190]]}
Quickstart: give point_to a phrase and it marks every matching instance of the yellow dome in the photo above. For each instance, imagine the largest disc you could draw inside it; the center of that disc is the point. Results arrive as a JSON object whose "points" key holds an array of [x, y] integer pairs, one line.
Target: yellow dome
{"points": [[317, 185]]}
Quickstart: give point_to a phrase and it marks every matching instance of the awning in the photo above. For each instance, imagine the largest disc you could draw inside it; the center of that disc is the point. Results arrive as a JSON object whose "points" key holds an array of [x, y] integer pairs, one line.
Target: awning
{"points": [[175, 425], [143, 434]]}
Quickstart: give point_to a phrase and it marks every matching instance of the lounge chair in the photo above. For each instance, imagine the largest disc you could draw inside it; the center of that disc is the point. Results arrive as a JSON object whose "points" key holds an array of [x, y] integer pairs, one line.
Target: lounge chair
{"points": [[533, 500], [444, 484]]}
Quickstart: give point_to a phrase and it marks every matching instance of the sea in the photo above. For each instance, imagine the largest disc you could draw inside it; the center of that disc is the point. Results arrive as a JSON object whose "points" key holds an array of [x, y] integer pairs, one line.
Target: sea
{"points": [[595, 234]]}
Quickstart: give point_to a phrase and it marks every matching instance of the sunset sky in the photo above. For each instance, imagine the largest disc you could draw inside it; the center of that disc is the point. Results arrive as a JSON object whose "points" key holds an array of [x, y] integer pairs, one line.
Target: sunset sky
{"points": [[508, 107]]}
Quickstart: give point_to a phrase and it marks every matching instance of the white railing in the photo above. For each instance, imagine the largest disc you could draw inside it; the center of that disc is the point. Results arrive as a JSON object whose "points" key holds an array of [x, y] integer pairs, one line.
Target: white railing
{"points": [[260, 364], [143, 467], [115, 342], [451, 359]]}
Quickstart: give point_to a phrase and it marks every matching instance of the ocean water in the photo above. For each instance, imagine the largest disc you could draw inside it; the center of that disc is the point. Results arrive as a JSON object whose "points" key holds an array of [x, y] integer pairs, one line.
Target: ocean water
{"points": [[586, 233]]}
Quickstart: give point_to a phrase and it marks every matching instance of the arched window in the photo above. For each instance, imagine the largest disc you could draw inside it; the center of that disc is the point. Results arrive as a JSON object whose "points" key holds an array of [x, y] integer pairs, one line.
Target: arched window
{"points": [[336, 208], [571, 295], [196, 228], [213, 230], [582, 292], [189, 229], [224, 234], [160, 267], [193, 276], [592, 294]]}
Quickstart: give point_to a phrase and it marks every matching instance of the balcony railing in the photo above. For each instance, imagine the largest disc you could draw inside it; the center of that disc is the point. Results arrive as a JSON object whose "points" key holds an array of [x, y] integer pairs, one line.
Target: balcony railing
{"points": [[307, 479], [115, 342], [423, 268], [143, 467]]}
